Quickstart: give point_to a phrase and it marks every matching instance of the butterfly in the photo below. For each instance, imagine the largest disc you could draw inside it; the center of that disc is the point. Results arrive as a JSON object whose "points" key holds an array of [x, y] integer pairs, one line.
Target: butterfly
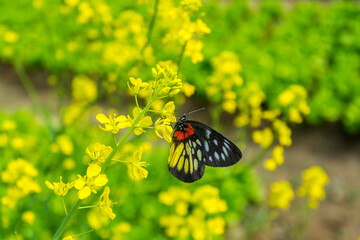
{"points": [[195, 145]]}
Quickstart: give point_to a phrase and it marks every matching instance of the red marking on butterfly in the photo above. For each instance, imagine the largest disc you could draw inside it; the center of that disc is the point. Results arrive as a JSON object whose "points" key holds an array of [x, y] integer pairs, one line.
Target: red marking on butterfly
{"points": [[180, 135]]}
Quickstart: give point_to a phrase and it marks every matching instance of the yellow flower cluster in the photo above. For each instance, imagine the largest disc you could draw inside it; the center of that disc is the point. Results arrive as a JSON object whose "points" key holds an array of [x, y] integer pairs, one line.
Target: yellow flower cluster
{"points": [[281, 194], [194, 214], [84, 91], [294, 104], [226, 77], [314, 181], [184, 25], [20, 176]]}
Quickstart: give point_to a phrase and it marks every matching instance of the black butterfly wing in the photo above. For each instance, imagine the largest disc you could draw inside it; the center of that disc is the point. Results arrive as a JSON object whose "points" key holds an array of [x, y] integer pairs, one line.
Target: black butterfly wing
{"points": [[217, 150], [185, 160]]}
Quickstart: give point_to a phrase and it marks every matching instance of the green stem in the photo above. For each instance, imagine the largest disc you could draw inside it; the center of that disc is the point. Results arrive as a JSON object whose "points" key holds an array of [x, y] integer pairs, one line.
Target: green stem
{"points": [[34, 96], [70, 214], [181, 55], [127, 134], [151, 27], [85, 207], [63, 202], [66, 221], [255, 161]]}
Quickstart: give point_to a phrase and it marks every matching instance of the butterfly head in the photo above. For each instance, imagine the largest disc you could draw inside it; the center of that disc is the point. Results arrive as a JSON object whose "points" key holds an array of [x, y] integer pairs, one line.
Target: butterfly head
{"points": [[181, 123]]}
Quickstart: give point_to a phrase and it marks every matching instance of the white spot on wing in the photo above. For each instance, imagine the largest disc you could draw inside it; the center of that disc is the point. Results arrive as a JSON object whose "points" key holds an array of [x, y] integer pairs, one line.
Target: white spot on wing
{"points": [[225, 151], [215, 142], [206, 145], [223, 156], [210, 158], [207, 133], [216, 156]]}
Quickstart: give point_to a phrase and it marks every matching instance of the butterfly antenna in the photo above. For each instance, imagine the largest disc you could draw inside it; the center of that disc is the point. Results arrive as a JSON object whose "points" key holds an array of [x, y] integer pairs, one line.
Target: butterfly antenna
{"points": [[197, 110]]}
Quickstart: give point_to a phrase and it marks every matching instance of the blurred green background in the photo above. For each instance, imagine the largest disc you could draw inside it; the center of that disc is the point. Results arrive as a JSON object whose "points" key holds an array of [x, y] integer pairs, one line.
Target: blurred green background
{"points": [[252, 64]]}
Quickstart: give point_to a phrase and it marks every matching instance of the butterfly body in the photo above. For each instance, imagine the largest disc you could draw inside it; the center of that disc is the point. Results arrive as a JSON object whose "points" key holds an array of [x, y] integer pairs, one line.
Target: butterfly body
{"points": [[195, 145]]}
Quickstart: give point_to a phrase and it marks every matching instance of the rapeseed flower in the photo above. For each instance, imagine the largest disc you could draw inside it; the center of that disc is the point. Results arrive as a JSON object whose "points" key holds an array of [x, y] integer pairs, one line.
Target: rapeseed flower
{"points": [[314, 181], [93, 179], [136, 168], [281, 194], [98, 153], [60, 188], [105, 204], [113, 123]]}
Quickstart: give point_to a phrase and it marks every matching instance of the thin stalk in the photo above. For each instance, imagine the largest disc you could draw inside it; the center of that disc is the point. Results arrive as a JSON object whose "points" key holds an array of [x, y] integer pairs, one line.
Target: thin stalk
{"points": [[181, 55], [151, 26], [127, 134], [255, 161], [70, 214], [66, 221], [34, 96], [64, 205]]}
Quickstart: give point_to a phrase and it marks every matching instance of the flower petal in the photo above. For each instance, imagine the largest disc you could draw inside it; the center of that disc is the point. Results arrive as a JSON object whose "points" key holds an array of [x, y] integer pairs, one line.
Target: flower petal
{"points": [[102, 118], [100, 180], [93, 170], [84, 192]]}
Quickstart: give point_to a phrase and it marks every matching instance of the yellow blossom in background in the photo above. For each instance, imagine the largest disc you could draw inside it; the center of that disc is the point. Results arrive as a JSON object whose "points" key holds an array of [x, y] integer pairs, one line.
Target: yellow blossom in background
{"points": [[69, 164], [65, 144], [17, 143], [37, 4], [105, 204], [84, 89], [8, 125], [4, 140], [85, 13], [263, 137], [98, 152], [71, 3], [11, 37], [270, 164], [314, 181], [19, 176], [59, 188], [136, 168], [192, 5], [113, 123], [90, 181], [28, 217], [193, 50], [188, 89], [281, 194], [286, 97], [284, 133], [193, 213]]}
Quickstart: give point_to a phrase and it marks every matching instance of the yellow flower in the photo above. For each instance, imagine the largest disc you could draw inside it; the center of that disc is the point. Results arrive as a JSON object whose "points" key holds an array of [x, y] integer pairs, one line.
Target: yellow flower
{"points": [[270, 165], [136, 170], [144, 122], [90, 181], [85, 12], [216, 225], [286, 97], [72, 3], [11, 37], [229, 106], [193, 50], [65, 144], [284, 133], [105, 204], [242, 120], [98, 152], [192, 5], [8, 125], [281, 194], [28, 217], [68, 238], [188, 89], [138, 85], [278, 154], [84, 89], [168, 111], [59, 188], [314, 181], [114, 123], [163, 129], [295, 116], [263, 137]]}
